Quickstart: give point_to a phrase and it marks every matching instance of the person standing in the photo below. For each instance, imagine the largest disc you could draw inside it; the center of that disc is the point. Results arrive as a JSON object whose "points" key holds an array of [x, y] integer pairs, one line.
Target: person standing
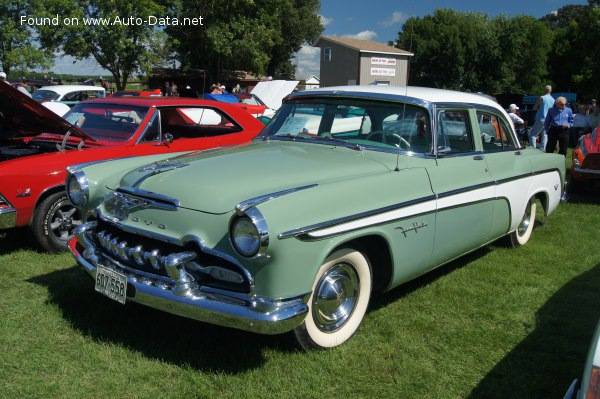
{"points": [[542, 105], [558, 121], [23, 87], [512, 113], [3, 77]]}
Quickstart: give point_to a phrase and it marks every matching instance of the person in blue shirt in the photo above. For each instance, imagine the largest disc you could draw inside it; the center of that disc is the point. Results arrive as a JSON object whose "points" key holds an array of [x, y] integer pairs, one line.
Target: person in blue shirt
{"points": [[558, 121], [542, 105]]}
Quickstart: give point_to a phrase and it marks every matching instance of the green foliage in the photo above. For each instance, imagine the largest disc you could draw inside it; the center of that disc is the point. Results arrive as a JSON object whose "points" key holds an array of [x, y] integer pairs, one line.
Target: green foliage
{"points": [[121, 49], [18, 49], [257, 36], [461, 51]]}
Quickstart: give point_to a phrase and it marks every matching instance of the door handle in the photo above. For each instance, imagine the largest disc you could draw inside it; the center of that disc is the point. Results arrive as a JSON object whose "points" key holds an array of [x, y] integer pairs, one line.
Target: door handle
{"points": [[478, 157]]}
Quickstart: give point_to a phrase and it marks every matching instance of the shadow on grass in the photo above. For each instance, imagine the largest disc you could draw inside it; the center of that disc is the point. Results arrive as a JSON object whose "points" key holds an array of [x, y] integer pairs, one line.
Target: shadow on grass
{"points": [[16, 239], [380, 300], [545, 363], [156, 334]]}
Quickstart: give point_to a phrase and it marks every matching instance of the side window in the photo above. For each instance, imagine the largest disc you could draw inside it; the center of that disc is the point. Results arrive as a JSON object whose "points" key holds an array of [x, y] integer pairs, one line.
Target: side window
{"points": [[195, 122], [454, 135], [495, 134], [327, 54]]}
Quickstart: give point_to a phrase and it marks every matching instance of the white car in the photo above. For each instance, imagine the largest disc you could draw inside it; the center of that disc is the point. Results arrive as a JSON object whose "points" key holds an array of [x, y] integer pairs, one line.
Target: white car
{"points": [[68, 94]]}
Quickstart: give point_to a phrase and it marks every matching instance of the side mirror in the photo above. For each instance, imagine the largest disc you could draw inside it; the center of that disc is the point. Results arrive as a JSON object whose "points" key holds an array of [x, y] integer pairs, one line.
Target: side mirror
{"points": [[167, 138]]}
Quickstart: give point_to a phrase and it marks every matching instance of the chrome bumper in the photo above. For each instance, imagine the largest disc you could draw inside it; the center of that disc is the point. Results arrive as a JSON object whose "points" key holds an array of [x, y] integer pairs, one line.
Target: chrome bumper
{"points": [[244, 312], [8, 218]]}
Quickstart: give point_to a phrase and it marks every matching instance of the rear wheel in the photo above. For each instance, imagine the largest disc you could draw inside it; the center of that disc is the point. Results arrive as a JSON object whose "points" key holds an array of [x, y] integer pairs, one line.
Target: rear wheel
{"points": [[54, 220], [523, 232], [339, 300]]}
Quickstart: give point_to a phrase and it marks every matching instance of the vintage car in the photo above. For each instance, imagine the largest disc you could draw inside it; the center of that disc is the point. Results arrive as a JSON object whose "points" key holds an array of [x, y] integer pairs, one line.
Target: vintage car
{"points": [[137, 93], [68, 94], [589, 386], [36, 146], [586, 161], [347, 190]]}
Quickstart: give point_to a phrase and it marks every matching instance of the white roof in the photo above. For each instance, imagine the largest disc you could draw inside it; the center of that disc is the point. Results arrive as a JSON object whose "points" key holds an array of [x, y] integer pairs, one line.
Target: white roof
{"points": [[425, 93], [64, 89]]}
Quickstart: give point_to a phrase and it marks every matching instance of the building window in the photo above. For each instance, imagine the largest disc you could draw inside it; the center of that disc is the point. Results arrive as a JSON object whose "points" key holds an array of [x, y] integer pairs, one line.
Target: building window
{"points": [[327, 53]]}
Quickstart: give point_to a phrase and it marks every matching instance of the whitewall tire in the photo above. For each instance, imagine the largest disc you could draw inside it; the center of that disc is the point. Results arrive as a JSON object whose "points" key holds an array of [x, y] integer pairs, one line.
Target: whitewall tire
{"points": [[339, 300], [520, 236]]}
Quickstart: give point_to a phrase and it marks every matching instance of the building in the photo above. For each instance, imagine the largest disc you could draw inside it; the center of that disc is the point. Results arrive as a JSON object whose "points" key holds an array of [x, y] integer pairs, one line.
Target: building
{"points": [[352, 61], [311, 82]]}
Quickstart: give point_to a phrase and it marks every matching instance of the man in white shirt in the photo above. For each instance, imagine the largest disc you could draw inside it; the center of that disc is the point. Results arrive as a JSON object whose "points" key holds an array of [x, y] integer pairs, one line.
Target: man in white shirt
{"points": [[23, 86], [512, 113]]}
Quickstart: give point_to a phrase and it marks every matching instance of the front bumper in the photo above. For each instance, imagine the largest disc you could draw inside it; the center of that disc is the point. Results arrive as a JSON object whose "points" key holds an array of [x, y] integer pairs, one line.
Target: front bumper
{"points": [[592, 173], [8, 218], [244, 312]]}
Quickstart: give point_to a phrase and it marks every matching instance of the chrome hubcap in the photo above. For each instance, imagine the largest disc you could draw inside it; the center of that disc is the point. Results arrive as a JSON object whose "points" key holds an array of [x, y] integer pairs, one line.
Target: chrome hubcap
{"points": [[526, 220], [63, 220], [335, 297]]}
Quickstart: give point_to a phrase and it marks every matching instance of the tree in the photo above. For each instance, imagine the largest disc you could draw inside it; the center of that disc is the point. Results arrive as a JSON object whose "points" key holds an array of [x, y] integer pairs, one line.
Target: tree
{"points": [[18, 47], [257, 36], [461, 51], [122, 48]]}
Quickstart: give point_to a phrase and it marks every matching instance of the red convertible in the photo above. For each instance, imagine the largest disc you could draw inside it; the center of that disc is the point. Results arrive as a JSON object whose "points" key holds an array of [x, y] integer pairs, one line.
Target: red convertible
{"points": [[36, 146], [586, 160]]}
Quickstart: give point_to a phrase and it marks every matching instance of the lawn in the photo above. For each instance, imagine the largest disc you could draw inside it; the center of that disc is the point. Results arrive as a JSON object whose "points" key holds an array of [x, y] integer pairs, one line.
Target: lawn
{"points": [[497, 323]]}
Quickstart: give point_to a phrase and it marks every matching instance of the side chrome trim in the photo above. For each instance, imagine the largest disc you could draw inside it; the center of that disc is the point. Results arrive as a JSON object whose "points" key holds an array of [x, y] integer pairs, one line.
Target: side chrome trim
{"points": [[303, 233], [588, 171], [252, 202]]}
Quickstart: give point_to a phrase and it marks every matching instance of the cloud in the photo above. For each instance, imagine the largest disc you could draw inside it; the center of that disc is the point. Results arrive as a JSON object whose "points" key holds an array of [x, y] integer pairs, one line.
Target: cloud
{"points": [[324, 20], [364, 35], [396, 18], [307, 61]]}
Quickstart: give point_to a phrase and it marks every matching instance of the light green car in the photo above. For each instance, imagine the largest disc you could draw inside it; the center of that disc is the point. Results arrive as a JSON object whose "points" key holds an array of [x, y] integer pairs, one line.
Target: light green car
{"points": [[348, 190]]}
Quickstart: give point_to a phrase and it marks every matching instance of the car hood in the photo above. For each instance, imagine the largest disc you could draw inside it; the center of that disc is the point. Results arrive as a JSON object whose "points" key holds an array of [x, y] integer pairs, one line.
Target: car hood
{"points": [[216, 181], [21, 116], [272, 92]]}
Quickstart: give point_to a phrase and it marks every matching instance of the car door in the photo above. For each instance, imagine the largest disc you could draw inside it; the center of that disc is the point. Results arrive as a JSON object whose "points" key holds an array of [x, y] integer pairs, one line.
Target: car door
{"points": [[509, 167], [462, 183]]}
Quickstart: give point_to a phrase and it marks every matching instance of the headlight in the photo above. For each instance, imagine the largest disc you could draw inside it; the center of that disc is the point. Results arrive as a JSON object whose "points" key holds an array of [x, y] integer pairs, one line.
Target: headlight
{"points": [[249, 234], [78, 188], [245, 237]]}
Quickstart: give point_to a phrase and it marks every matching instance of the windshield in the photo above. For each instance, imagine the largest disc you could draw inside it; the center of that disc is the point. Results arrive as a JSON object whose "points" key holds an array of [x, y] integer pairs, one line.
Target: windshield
{"points": [[45, 95], [113, 122], [361, 122]]}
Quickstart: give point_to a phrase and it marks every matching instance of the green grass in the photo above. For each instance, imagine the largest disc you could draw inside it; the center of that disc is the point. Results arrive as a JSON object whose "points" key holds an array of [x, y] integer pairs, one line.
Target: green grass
{"points": [[498, 323]]}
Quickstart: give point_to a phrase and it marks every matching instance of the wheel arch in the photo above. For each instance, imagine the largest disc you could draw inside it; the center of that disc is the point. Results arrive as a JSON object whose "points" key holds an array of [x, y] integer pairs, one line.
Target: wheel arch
{"points": [[45, 194], [544, 199], [379, 255]]}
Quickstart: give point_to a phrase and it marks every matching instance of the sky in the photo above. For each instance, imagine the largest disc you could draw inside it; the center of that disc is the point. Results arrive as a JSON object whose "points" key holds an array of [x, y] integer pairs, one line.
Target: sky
{"points": [[378, 20]]}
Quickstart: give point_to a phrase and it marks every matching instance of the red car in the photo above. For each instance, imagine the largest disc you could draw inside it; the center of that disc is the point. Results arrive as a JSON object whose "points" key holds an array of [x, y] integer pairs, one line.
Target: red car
{"points": [[137, 93], [36, 146], [586, 160]]}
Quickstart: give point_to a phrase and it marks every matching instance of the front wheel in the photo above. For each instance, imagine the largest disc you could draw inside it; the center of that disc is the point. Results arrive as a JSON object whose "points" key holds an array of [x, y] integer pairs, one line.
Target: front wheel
{"points": [[338, 302], [522, 233], [54, 220]]}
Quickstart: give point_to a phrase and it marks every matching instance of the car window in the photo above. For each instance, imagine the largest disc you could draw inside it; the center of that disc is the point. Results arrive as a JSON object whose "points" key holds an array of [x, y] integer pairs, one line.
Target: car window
{"points": [[194, 122], [454, 135], [364, 122], [45, 95], [495, 134], [107, 121]]}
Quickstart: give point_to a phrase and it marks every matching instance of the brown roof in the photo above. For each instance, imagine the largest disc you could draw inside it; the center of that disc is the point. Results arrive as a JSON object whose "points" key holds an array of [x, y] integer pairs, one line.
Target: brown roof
{"points": [[362, 45]]}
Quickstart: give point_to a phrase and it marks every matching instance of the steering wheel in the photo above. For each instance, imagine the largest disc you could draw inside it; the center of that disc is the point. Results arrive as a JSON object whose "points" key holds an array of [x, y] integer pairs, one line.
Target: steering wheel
{"points": [[384, 138]]}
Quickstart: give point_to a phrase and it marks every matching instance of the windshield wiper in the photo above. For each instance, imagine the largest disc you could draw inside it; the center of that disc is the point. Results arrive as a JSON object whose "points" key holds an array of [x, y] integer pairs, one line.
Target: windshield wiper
{"points": [[353, 146]]}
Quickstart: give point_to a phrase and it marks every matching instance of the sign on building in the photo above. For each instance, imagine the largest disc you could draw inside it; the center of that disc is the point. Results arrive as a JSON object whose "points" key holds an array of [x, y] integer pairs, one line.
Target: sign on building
{"points": [[383, 71], [383, 61]]}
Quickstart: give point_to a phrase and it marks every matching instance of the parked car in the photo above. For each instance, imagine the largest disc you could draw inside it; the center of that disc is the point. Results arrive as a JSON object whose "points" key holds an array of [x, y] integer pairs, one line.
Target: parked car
{"points": [[347, 190], [68, 94], [256, 110], [589, 386], [137, 93], [586, 161], [36, 146]]}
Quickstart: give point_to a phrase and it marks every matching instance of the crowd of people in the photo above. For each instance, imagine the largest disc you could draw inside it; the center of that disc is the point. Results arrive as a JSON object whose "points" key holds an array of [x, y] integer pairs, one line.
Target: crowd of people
{"points": [[555, 123]]}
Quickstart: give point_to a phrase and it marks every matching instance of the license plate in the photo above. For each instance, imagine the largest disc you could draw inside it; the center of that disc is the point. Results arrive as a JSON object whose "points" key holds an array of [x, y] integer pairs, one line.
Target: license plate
{"points": [[111, 283]]}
